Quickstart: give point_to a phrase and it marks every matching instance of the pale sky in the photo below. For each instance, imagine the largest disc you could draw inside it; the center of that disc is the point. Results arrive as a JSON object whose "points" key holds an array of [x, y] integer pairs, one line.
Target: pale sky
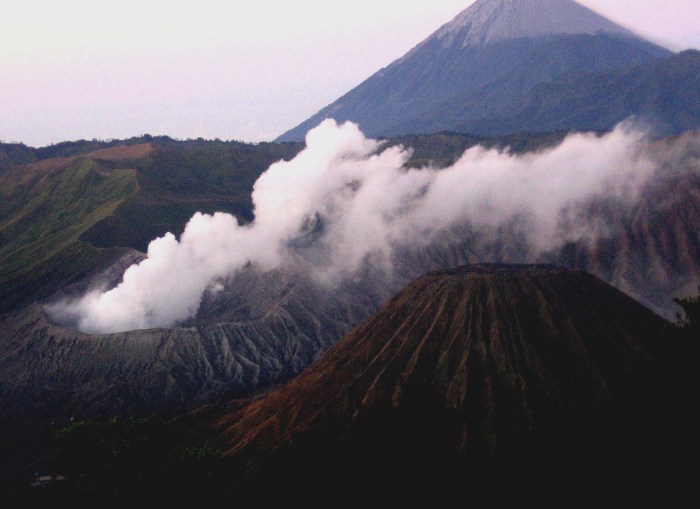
{"points": [[249, 70]]}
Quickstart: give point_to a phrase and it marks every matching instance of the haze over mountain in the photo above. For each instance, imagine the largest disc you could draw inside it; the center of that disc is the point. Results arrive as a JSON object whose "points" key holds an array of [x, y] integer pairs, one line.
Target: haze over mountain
{"points": [[482, 64]]}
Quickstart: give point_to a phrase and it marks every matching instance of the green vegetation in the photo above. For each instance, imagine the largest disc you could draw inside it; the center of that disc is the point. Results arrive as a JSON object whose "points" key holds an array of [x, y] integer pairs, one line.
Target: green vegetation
{"points": [[42, 216], [62, 218], [181, 178]]}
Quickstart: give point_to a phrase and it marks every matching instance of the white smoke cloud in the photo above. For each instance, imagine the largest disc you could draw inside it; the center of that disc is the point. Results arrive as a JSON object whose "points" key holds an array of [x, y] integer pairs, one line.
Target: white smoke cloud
{"points": [[344, 198]]}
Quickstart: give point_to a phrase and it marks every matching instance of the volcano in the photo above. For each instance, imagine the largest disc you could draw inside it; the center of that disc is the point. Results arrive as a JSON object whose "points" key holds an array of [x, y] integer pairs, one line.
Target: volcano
{"points": [[476, 362], [482, 65]]}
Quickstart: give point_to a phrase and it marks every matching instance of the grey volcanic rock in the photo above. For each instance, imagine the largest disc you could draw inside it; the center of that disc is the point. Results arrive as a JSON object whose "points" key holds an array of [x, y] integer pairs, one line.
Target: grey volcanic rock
{"points": [[50, 374], [108, 277], [482, 65], [167, 370]]}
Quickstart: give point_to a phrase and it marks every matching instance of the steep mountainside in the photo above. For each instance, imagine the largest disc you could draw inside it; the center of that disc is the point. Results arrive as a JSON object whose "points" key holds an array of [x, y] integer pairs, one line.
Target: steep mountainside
{"points": [[264, 330], [482, 64], [460, 362]]}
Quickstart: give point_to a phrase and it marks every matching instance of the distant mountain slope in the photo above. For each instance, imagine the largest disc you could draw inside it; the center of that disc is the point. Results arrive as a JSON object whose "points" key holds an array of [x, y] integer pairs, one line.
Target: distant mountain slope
{"points": [[482, 64], [665, 94]]}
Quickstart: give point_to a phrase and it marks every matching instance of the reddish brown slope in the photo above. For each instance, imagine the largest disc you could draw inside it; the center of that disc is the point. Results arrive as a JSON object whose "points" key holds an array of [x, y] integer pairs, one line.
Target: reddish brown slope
{"points": [[484, 356]]}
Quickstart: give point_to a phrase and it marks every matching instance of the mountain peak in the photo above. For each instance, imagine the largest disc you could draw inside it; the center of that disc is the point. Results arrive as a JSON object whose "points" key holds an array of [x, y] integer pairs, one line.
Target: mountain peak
{"points": [[476, 69], [490, 352], [489, 21]]}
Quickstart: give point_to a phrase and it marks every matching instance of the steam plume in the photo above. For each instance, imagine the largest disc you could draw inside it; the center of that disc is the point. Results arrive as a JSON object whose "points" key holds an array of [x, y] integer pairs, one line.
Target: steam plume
{"points": [[344, 197]]}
